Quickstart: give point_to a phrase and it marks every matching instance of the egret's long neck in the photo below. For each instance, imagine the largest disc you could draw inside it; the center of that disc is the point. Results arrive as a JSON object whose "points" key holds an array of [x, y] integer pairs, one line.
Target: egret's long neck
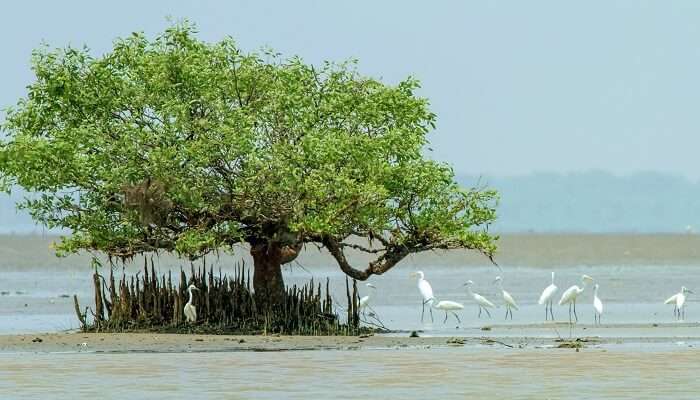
{"points": [[552, 278], [595, 292], [190, 300]]}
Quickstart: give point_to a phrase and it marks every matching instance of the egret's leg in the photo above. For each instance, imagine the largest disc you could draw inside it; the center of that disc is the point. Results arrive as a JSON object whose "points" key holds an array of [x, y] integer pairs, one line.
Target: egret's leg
{"points": [[479, 312], [575, 311], [546, 316], [431, 315], [570, 313], [550, 310], [422, 313], [487, 312], [456, 316], [445, 321], [506, 313]]}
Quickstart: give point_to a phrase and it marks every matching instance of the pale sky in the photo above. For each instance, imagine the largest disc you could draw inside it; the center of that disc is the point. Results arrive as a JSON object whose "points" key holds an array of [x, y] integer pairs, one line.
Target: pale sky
{"points": [[518, 87]]}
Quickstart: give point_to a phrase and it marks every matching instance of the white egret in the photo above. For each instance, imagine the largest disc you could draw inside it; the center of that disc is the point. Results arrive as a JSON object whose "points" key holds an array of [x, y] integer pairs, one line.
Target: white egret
{"points": [[426, 292], [570, 295], [449, 306], [547, 298], [597, 305], [482, 301], [678, 300], [672, 300], [364, 301], [190, 310], [507, 298]]}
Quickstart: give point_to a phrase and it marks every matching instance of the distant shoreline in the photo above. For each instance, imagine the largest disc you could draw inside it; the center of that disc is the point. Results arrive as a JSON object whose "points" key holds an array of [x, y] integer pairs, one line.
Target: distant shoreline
{"points": [[515, 249]]}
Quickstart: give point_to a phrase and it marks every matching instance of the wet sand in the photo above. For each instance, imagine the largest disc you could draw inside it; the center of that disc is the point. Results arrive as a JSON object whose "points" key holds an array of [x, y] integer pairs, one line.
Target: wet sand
{"points": [[644, 336], [174, 343]]}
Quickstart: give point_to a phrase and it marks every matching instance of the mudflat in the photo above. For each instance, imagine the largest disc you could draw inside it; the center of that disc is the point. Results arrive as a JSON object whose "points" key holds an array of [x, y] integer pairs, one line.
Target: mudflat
{"points": [[517, 337]]}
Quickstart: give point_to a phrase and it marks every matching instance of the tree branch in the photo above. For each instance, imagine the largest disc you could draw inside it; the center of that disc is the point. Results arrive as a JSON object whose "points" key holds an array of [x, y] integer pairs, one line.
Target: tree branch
{"points": [[361, 248], [235, 84], [392, 255], [372, 236], [383, 263]]}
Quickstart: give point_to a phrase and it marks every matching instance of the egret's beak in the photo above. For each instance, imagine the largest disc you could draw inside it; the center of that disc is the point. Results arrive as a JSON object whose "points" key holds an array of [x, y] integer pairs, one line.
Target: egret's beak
{"points": [[412, 275], [371, 285], [690, 291], [494, 281], [195, 288]]}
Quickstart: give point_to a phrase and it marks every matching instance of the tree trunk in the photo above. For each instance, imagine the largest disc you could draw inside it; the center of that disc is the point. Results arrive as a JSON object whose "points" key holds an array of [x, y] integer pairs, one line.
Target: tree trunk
{"points": [[267, 279]]}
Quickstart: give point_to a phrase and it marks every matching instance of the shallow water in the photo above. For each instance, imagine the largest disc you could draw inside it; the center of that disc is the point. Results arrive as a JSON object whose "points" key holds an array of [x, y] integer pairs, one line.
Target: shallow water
{"points": [[454, 373], [631, 294]]}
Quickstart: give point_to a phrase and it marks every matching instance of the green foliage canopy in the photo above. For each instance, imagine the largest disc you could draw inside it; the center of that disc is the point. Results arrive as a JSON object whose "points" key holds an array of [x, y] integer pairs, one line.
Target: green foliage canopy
{"points": [[180, 145]]}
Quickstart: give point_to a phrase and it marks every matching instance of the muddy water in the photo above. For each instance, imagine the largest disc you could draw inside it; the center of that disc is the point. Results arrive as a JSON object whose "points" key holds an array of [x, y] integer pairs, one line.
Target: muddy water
{"points": [[457, 373]]}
